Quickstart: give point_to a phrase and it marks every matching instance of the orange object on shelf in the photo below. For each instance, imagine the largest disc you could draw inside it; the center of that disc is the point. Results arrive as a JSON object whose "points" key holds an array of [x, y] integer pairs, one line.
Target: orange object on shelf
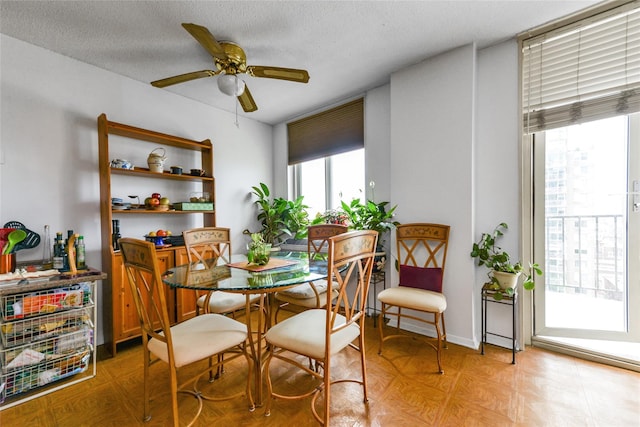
{"points": [[51, 302]]}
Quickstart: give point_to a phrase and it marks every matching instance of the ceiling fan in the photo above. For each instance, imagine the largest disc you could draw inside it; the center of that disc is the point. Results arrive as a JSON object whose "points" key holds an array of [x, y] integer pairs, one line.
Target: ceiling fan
{"points": [[230, 60]]}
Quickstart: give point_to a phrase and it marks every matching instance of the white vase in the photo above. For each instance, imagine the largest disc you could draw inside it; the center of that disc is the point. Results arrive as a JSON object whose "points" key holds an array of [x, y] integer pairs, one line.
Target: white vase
{"points": [[506, 280]]}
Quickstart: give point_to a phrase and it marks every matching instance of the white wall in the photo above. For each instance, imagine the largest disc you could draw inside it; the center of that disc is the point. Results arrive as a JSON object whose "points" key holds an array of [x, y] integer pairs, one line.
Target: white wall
{"points": [[432, 140], [455, 160], [279, 186], [377, 137], [497, 163], [49, 145]]}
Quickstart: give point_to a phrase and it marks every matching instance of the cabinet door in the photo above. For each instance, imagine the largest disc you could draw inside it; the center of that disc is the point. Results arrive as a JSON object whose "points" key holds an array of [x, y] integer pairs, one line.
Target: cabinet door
{"points": [[126, 322], [166, 261], [185, 298]]}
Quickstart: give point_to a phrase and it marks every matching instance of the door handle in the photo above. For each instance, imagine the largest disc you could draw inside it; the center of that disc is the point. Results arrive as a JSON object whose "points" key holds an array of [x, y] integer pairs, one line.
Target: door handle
{"points": [[636, 195]]}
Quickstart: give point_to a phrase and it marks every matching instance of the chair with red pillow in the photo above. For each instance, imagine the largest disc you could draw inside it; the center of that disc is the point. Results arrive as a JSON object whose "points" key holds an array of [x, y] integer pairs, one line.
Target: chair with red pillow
{"points": [[422, 253]]}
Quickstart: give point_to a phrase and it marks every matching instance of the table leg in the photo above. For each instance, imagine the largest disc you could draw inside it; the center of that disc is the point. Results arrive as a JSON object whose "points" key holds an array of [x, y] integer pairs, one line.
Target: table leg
{"points": [[256, 342]]}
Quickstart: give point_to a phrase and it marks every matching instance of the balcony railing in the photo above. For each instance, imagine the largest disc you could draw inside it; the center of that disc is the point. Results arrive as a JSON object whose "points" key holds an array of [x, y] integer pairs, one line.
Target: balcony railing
{"points": [[586, 254]]}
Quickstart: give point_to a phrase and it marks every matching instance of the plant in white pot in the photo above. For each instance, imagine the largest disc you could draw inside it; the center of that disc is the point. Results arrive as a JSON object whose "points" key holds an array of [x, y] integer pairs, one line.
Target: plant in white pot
{"points": [[503, 273]]}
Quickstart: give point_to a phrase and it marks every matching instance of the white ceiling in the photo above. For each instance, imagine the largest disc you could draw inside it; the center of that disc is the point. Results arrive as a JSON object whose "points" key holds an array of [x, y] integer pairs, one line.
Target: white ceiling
{"points": [[347, 46]]}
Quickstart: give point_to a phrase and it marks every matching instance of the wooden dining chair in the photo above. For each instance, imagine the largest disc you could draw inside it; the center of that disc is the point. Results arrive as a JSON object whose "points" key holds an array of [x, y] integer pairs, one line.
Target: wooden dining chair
{"points": [[201, 338], [321, 333], [206, 246], [311, 294], [422, 254]]}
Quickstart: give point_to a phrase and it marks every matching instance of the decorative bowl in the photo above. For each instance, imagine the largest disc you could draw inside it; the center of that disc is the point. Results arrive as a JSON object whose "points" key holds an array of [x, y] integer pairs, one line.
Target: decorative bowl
{"points": [[121, 164]]}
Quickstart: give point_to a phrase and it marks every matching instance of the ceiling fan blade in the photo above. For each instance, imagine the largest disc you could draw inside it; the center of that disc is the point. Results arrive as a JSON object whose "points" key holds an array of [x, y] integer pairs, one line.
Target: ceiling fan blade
{"points": [[206, 40], [292, 74], [246, 101], [183, 78]]}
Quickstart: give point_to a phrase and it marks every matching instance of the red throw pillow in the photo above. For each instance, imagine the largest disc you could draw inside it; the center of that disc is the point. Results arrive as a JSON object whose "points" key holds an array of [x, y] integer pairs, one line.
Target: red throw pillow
{"points": [[427, 278]]}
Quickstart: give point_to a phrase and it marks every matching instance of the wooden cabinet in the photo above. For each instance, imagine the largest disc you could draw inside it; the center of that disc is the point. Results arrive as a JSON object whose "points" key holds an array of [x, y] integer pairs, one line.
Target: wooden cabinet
{"points": [[127, 324], [185, 298], [120, 318]]}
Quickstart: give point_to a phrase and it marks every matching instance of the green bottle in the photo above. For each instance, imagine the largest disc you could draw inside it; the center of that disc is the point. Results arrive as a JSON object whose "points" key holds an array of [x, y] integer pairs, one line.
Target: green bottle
{"points": [[80, 254]]}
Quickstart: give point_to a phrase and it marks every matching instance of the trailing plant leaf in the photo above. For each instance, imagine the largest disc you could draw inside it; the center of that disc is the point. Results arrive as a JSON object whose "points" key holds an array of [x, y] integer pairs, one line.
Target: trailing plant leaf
{"points": [[488, 253]]}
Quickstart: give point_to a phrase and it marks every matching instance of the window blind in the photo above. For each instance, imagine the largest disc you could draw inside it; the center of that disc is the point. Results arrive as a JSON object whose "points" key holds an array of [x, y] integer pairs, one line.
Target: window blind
{"points": [[582, 72], [330, 132]]}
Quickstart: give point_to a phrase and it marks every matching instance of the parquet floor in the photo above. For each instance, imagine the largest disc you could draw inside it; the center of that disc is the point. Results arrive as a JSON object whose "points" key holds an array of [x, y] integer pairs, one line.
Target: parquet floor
{"points": [[542, 389]]}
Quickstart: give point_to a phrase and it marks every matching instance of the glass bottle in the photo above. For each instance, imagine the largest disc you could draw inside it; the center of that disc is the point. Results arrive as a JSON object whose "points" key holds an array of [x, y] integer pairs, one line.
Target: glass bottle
{"points": [[47, 262], [80, 254], [65, 256], [58, 251], [115, 234]]}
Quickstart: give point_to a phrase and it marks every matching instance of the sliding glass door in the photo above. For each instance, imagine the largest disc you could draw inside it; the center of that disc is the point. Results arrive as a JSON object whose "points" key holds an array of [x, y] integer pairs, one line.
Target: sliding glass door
{"points": [[587, 230]]}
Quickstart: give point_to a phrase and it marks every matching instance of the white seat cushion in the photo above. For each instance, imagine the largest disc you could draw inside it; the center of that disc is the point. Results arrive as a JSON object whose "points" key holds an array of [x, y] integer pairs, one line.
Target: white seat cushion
{"points": [[305, 291], [304, 296], [226, 302], [199, 338], [304, 333], [306, 302], [417, 299]]}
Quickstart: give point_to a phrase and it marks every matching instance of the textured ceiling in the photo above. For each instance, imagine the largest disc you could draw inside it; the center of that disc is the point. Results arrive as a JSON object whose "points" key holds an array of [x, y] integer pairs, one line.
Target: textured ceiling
{"points": [[347, 46]]}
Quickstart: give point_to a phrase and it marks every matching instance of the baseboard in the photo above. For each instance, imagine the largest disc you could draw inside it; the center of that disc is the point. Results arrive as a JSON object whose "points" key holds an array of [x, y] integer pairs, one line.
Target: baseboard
{"points": [[430, 332]]}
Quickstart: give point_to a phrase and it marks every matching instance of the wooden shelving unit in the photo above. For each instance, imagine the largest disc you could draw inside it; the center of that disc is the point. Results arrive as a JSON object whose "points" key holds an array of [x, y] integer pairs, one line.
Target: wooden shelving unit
{"points": [[120, 319]]}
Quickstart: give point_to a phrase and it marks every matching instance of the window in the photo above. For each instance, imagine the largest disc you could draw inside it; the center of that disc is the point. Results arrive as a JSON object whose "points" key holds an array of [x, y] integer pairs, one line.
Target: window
{"points": [[326, 181], [326, 153]]}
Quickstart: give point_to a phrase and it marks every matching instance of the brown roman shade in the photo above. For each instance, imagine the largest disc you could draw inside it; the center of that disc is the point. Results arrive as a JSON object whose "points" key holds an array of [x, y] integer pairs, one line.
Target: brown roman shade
{"points": [[330, 132]]}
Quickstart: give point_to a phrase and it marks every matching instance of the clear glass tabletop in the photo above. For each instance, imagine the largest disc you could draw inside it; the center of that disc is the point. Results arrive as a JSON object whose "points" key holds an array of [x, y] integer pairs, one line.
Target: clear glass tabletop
{"points": [[223, 277]]}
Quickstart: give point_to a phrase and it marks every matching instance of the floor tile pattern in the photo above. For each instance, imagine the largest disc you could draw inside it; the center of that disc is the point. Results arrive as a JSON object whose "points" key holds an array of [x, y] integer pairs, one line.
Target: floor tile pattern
{"points": [[542, 389]]}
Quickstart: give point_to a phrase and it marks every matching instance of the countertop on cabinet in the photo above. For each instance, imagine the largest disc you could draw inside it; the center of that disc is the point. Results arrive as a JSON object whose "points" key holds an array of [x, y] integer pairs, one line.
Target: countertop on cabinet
{"points": [[55, 280]]}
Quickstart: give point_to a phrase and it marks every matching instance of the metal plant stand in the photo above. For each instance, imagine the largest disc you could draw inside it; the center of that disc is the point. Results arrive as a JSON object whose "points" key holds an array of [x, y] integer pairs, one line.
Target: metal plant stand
{"points": [[487, 297], [372, 310]]}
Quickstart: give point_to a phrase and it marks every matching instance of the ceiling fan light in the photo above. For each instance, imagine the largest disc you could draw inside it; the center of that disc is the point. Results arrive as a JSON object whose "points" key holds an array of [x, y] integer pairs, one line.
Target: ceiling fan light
{"points": [[230, 84]]}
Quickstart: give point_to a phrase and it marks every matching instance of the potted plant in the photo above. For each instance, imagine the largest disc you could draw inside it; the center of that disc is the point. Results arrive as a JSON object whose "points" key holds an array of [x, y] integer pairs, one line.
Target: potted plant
{"points": [[369, 215], [258, 251], [280, 218], [503, 273], [331, 216]]}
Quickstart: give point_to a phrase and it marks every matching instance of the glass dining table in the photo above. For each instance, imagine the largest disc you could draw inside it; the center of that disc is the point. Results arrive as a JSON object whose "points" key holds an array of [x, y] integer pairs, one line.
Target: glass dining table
{"points": [[285, 269]]}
